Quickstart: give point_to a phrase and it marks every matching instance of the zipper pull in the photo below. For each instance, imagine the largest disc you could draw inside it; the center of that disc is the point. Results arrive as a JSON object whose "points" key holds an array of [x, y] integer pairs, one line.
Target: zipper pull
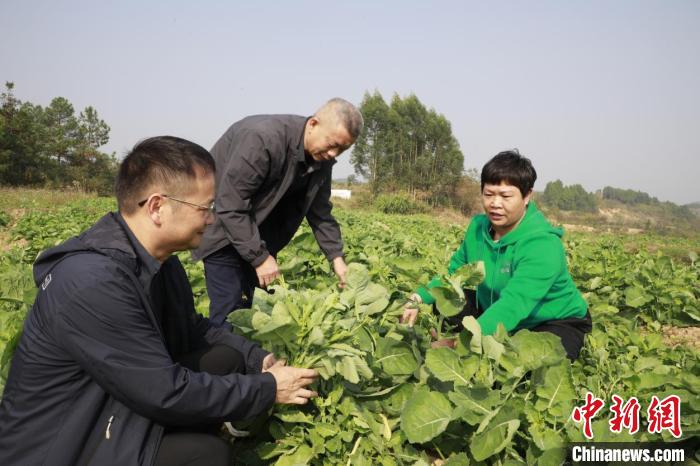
{"points": [[109, 425]]}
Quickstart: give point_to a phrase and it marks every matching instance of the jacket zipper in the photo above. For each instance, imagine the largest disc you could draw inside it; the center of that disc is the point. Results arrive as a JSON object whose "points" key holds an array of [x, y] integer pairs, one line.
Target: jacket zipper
{"points": [[108, 434]]}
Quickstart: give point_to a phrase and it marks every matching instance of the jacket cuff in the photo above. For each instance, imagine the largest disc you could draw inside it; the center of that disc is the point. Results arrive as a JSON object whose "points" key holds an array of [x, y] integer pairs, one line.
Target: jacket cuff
{"points": [[254, 363], [267, 392], [257, 261], [425, 295], [331, 257]]}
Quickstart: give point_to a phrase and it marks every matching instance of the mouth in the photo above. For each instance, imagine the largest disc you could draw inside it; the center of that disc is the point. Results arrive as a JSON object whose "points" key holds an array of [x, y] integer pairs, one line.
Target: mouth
{"points": [[495, 216]]}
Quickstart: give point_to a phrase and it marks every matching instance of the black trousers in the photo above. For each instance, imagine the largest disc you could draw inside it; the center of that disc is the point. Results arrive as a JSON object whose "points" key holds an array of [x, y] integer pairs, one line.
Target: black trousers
{"points": [[200, 445], [571, 331], [231, 282]]}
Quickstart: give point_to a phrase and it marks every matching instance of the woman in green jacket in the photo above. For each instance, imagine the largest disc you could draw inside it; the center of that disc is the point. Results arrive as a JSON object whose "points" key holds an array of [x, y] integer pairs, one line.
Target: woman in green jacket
{"points": [[527, 282]]}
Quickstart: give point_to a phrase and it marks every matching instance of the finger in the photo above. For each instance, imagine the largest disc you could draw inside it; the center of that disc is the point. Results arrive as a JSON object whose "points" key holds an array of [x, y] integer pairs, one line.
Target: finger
{"points": [[433, 334], [304, 381], [412, 319], [299, 401], [306, 373], [304, 393]]}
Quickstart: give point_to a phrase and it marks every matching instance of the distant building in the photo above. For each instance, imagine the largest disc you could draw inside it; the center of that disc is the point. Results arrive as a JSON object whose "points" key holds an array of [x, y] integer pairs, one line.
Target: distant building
{"points": [[341, 193]]}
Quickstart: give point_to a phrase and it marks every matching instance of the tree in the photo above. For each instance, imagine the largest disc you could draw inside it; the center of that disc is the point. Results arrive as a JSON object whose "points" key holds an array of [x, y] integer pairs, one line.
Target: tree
{"points": [[405, 146], [22, 141], [52, 146], [573, 197]]}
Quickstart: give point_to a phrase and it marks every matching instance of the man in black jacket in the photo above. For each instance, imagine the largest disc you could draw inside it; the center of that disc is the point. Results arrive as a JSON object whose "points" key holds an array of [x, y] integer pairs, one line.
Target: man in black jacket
{"points": [[114, 366], [272, 171]]}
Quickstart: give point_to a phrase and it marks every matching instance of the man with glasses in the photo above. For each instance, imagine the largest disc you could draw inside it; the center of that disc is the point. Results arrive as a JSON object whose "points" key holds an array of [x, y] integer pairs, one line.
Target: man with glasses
{"points": [[272, 172], [114, 366]]}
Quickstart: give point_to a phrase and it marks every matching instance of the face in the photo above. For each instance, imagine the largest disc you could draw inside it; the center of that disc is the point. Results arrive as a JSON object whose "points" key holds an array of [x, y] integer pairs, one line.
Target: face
{"points": [[325, 141], [184, 224], [504, 205]]}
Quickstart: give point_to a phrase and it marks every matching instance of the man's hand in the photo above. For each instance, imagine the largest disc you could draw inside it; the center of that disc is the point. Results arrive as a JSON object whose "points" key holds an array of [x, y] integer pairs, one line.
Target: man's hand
{"points": [[291, 382], [340, 268], [267, 271], [410, 310], [269, 361]]}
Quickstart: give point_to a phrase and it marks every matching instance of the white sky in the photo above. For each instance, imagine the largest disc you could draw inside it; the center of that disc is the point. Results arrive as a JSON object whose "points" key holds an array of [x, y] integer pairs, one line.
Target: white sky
{"points": [[594, 92]]}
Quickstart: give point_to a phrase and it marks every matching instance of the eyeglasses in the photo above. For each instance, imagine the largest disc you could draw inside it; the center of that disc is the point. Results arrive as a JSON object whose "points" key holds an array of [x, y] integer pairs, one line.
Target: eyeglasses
{"points": [[211, 208]]}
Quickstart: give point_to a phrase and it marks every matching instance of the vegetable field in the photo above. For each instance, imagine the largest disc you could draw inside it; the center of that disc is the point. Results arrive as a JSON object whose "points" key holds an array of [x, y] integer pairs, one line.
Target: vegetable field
{"points": [[387, 397]]}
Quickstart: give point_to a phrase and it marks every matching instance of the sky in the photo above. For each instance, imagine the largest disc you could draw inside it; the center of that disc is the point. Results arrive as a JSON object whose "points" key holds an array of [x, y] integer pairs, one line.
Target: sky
{"points": [[601, 93]]}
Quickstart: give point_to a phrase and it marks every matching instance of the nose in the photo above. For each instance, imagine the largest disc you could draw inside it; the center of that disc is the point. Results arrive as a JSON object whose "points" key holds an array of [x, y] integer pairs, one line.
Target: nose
{"points": [[209, 219]]}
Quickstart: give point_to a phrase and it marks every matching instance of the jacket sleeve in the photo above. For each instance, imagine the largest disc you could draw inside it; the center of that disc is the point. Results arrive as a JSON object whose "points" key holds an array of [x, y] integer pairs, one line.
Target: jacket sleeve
{"points": [[105, 328], [534, 274], [458, 259], [246, 170], [322, 223], [252, 352]]}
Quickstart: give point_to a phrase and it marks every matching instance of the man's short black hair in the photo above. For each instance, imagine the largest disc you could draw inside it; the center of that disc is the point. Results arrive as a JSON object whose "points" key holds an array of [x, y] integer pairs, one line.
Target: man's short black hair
{"points": [[166, 162], [511, 167]]}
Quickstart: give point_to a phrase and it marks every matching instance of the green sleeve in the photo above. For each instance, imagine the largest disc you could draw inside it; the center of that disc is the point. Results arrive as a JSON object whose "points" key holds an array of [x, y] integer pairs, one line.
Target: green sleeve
{"points": [[535, 271], [458, 259]]}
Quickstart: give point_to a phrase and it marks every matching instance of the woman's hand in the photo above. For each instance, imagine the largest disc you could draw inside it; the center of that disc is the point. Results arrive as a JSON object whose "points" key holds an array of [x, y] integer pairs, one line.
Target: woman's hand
{"points": [[410, 310]]}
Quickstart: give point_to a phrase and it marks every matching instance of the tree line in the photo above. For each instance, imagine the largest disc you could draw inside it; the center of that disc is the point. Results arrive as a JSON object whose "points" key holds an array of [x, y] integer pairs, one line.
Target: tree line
{"points": [[405, 146], [52, 146]]}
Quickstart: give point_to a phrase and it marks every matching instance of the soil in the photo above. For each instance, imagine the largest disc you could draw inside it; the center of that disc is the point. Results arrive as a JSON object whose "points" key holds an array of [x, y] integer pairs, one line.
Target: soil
{"points": [[684, 336]]}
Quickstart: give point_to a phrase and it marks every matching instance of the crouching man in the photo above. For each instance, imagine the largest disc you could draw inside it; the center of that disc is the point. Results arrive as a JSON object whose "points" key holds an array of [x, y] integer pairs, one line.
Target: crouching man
{"points": [[114, 366]]}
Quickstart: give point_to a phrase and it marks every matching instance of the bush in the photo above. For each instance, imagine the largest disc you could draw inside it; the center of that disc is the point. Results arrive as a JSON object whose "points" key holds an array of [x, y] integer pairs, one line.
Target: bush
{"points": [[398, 204], [467, 194], [4, 219]]}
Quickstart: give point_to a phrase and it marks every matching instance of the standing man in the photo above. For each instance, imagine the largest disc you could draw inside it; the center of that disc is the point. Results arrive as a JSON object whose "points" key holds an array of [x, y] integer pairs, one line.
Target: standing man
{"points": [[114, 367], [272, 171]]}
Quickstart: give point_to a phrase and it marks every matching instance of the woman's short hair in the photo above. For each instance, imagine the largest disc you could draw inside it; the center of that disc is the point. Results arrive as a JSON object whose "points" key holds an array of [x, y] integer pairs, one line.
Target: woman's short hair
{"points": [[510, 167]]}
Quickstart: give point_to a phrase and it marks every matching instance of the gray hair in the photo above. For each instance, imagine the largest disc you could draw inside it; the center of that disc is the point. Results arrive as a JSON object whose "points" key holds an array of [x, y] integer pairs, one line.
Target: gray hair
{"points": [[346, 113]]}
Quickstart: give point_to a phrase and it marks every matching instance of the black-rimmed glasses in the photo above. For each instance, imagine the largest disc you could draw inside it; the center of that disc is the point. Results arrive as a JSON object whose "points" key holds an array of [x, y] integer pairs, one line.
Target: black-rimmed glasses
{"points": [[211, 208]]}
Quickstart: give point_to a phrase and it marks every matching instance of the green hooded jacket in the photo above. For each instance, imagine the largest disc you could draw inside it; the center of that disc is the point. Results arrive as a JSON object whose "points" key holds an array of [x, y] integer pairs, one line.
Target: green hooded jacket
{"points": [[527, 281]]}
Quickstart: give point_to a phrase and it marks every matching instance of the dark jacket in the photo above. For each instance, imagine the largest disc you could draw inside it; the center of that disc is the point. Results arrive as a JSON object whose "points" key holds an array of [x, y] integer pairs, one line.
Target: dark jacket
{"points": [[257, 160], [92, 380]]}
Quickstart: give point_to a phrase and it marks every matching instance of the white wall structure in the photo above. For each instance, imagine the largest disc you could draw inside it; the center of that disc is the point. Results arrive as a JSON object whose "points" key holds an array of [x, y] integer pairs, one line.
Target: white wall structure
{"points": [[341, 193]]}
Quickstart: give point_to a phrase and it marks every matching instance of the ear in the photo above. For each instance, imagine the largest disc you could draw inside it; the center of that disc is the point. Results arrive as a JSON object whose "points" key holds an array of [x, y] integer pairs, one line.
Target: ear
{"points": [[313, 121], [154, 205], [527, 198]]}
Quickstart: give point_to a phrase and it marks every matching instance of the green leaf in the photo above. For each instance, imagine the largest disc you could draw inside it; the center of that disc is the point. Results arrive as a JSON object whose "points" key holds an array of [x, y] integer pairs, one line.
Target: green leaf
{"points": [[446, 365], [493, 440], [458, 459], [395, 357], [537, 349], [493, 349], [300, 457], [447, 301], [557, 393], [472, 326], [473, 404], [346, 368], [357, 276], [316, 337], [636, 297], [295, 417], [425, 416]]}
